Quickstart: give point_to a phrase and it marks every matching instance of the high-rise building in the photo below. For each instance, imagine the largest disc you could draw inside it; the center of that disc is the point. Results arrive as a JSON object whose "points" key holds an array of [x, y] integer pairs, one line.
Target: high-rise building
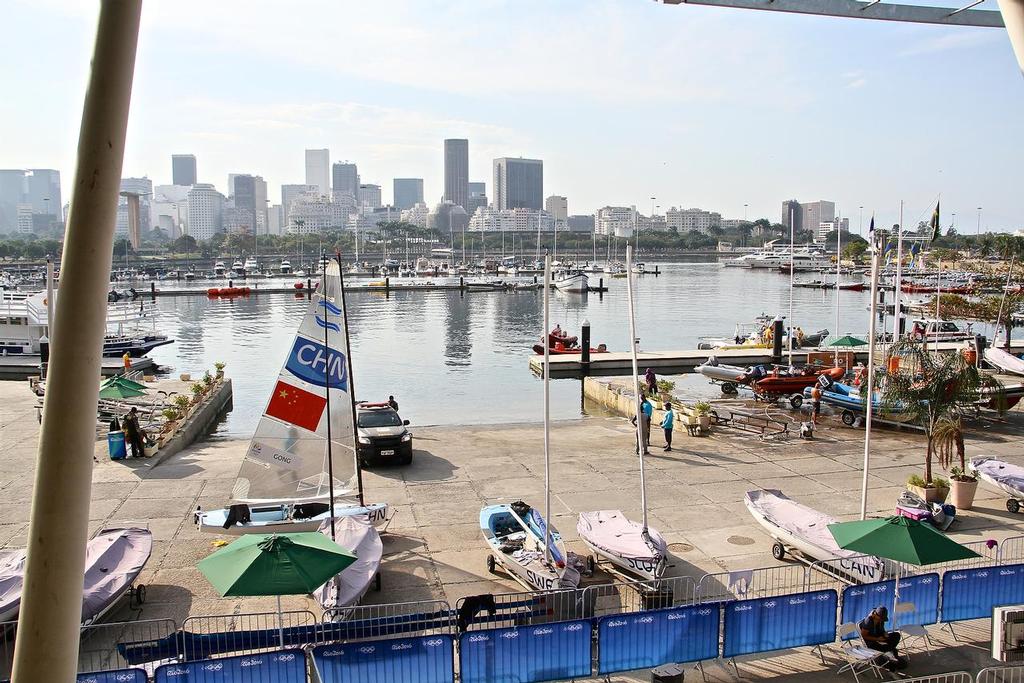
{"points": [[510, 220], [369, 196], [826, 227], [518, 183], [619, 221], [205, 211], [143, 188], [39, 190], [346, 180], [318, 170], [558, 207], [581, 223], [813, 214], [43, 191], [477, 197], [456, 171], [275, 224], [170, 208], [183, 169], [243, 191], [687, 220], [12, 193], [408, 192], [289, 193], [262, 202], [791, 207]]}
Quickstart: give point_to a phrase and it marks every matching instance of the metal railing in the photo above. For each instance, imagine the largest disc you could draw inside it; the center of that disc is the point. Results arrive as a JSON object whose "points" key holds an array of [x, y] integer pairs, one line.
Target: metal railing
{"points": [[953, 677], [524, 609], [638, 596], [761, 582], [234, 628], [1001, 674], [1011, 551], [97, 649], [422, 618]]}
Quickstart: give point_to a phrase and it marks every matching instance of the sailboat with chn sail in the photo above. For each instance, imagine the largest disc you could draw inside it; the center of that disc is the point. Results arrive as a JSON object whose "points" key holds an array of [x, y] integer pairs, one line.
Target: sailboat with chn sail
{"points": [[301, 464]]}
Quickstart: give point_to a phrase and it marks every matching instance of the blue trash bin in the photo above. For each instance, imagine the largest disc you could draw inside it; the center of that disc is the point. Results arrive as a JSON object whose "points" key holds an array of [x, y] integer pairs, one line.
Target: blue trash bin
{"points": [[117, 446]]}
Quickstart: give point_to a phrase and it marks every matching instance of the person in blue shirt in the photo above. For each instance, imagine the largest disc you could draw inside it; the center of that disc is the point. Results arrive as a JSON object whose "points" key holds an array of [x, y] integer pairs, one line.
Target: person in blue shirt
{"points": [[666, 424], [646, 410]]}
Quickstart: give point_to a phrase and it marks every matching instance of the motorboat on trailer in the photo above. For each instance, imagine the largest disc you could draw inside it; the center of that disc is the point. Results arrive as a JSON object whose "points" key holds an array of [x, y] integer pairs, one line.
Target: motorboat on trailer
{"points": [[804, 530], [728, 376], [348, 588], [1003, 360], [114, 558], [291, 468], [623, 543], [1005, 476], [515, 533]]}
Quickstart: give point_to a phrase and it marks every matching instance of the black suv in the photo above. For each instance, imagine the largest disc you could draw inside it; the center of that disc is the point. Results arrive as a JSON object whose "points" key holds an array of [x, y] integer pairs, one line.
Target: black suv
{"points": [[382, 435]]}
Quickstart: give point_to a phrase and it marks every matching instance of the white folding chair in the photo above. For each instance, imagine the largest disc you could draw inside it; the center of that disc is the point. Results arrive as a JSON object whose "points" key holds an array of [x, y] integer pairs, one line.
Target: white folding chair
{"points": [[911, 632], [859, 657]]}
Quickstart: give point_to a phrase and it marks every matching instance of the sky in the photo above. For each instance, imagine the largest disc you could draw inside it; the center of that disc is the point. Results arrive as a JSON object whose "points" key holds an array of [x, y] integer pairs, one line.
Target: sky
{"points": [[624, 100]]}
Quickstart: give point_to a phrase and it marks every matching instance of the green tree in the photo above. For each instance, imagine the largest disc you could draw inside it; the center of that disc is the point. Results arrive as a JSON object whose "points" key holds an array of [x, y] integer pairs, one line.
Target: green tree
{"points": [[854, 250]]}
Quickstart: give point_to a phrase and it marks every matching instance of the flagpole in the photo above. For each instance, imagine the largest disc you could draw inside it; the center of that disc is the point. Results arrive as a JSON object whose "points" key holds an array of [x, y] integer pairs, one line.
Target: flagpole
{"points": [[547, 409], [899, 279], [640, 445], [871, 374]]}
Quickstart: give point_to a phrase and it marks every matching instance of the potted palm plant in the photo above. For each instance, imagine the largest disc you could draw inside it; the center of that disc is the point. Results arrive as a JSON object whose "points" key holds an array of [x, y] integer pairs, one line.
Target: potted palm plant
{"points": [[702, 409], [934, 390], [219, 367], [665, 387], [949, 444]]}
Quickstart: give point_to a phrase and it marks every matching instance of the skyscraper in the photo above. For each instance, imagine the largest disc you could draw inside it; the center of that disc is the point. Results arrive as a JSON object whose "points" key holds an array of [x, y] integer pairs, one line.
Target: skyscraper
{"points": [[558, 207], [289, 193], [318, 170], [813, 214], [205, 211], [369, 196], [791, 207], [43, 190], [456, 171], [477, 197], [408, 192], [346, 180], [183, 169], [518, 183]]}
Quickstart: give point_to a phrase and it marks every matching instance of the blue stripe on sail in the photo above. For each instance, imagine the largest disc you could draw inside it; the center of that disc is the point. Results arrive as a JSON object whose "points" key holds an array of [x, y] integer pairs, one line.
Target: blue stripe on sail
{"points": [[324, 303], [323, 323]]}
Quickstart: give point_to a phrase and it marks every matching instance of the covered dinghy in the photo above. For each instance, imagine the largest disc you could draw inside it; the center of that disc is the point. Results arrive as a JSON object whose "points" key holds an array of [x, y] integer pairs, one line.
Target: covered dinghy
{"points": [[347, 588], [1003, 475], [623, 542]]}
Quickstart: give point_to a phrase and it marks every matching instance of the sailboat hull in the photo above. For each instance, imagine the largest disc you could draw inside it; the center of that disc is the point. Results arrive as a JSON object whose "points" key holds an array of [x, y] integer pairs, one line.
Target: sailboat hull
{"points": [[620, 542], [270, 519], [517, 544]]}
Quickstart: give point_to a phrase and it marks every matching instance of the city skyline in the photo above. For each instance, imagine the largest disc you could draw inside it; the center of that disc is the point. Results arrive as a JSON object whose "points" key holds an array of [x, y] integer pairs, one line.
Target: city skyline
{"points": [[684, 136]]}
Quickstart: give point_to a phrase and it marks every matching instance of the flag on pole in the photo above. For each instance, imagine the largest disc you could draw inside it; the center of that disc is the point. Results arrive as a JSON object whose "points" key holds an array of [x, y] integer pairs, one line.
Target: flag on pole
{"points": [[871, 228], [935, 221]]}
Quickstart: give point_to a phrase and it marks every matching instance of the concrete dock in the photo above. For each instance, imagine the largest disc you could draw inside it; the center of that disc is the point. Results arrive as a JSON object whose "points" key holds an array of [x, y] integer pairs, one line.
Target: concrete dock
{"points": [[434, 550]]}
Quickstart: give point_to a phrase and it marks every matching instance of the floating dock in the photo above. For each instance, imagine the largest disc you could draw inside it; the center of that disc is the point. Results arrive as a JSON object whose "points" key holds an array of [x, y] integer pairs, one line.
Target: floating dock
{"points": [[22, 366]]}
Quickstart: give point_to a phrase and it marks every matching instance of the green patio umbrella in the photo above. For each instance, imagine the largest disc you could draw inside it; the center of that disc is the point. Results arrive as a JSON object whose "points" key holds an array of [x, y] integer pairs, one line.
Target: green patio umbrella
{"points": [[275, 564], [117, 391], [848, 341], [124, 382], [900, 539]]}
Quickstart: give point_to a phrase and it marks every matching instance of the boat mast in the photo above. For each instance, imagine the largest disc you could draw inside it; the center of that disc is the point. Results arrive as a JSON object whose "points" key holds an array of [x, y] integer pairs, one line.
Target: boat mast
{"points": [[327, 392], [351, 384], [792, 251], [871, 374], [636, 391], [839, 267], [547, 409], [896, 312]]}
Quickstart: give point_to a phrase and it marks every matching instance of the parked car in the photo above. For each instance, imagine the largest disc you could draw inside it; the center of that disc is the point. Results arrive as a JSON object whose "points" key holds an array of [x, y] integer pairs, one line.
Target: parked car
{"points": [[382, 435]]}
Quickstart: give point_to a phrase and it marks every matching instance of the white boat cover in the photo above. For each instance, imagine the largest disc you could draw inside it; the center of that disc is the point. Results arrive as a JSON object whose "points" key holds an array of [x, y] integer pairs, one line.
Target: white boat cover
{"points": [[722, 373], [1008, 477], [347, 588], [113, 560], [1004, 360], [799, 520], [610, 531]]}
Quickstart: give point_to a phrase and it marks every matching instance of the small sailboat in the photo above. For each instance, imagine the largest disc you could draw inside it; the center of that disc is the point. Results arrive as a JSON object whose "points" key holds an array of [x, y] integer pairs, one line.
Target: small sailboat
{"points": [[1003, 360], [522, 540], [301, 464], [627, 545], [1005, 476]]}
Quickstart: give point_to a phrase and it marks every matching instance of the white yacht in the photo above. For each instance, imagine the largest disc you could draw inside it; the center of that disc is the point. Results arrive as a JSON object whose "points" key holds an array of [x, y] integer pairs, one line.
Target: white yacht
{"points": [[237, 268], [285, 267], [219, 269], [252, 266]]}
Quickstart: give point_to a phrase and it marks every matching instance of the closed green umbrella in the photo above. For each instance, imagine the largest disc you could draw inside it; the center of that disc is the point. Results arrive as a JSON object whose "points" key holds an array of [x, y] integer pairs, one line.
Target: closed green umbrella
{"points": [[848, 341], [277, 564], [900, 539], [116, 391], [124, 382]]}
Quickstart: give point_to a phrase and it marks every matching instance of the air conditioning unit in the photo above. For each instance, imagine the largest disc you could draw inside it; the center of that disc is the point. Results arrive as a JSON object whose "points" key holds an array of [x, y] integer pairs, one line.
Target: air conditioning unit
{"points": [[1008, 633]]}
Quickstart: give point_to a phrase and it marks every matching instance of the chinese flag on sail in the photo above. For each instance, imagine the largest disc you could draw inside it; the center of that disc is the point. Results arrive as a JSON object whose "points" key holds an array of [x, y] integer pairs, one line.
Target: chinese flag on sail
{"points": [[296, 406]]}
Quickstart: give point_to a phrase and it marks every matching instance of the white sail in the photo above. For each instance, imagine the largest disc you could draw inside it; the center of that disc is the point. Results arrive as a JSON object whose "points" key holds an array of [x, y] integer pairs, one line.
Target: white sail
{"points": [[287, 457]]}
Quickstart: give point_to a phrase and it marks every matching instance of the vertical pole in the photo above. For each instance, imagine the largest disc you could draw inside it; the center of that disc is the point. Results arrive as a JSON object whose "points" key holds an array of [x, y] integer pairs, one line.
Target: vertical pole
{"points": [[792, 251], [869, 411], [640, 446], [327, 391], [585, 345], [351, 381], [547, 409], [51, 608], [1013, 17], [839, 269], [899, 280]]}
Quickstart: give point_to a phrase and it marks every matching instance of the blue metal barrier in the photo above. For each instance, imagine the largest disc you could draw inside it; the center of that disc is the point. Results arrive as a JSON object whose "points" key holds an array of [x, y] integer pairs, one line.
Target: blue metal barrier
{"points": [[118, 676], [780, 622], [423, 659], [972, 593], [923, 591], [283, 666], [526, 654], [643, 640]]}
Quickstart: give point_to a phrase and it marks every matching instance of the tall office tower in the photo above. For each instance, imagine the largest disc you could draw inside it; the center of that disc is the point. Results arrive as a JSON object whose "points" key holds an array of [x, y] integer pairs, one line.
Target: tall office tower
{"points": [[558, 207], [183, 169], [408, 192], [318, 170], [346, 180], [42, 186], [813, 214], [205, 211], [456, 171], [143, 188], [477, 197], [12, 193], [289, 193], [518, 183], [261, 200], [369, 196], [791, 207]]}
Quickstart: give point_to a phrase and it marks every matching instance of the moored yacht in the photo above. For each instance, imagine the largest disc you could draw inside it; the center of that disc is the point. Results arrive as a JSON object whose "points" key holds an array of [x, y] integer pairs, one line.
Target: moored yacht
{"points": [[285, 267], [219, 269]]}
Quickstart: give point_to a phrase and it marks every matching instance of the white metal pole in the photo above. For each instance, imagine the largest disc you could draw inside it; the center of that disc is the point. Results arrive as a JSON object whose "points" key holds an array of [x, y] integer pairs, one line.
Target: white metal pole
{"points": [[1013, 17], [839, 267], [547, 408], [51, 607], [899, 279], [792, 251], [869, 412], [640, 446]]}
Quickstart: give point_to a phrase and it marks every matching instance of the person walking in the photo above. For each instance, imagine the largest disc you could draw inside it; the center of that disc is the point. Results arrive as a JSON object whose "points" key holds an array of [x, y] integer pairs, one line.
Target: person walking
{"points": [[127, 360], [666, 424], [652, 382], [133, 433], [644, 426], [815, 403], [648, 412]]}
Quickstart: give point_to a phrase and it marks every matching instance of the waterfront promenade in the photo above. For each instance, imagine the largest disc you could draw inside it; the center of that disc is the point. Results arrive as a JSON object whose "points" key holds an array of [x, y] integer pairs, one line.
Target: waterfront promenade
{"points": [[433, 548]]}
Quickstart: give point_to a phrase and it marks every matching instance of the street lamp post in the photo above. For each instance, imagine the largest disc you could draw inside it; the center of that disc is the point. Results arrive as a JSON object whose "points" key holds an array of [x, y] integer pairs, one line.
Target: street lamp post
{"points": [[860, 225], [979, 221], [744, 213]]}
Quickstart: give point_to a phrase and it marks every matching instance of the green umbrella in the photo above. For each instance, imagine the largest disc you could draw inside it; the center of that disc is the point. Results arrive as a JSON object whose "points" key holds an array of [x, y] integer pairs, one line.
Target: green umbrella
{"points": [[848, 341], [122, 381], [116, 391], [276, 564], [900, 539]]}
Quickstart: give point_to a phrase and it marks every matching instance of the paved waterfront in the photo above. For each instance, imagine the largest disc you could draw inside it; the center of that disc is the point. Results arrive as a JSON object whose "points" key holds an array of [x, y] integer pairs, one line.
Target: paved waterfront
{"points": [[433, 548]]}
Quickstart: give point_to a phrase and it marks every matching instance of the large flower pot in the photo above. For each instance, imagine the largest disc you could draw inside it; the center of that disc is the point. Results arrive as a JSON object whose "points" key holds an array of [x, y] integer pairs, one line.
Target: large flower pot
{"points": [[931, 494], [962, 494], [705, 423]]}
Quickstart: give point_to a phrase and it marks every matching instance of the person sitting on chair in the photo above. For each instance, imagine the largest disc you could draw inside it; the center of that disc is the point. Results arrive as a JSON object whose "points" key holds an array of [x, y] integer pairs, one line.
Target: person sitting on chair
{"points": [[872, 630]]}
